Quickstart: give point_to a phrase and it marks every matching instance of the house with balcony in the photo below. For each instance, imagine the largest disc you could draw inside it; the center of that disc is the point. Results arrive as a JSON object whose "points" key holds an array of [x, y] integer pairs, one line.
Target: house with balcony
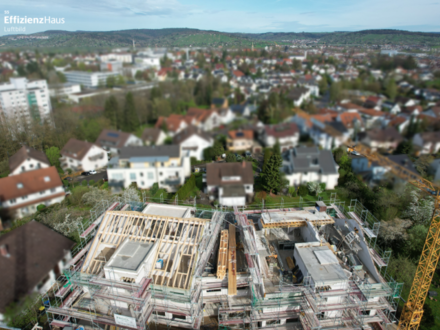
{"points": [[310, 164], [192, 141], [230, 183], [329, 135], [32, 257], [20, 194], [113, 140], [27, 159], [82, 156], [147, 165], [287, 135], [240, 140], [387, 138], [207, 120]]}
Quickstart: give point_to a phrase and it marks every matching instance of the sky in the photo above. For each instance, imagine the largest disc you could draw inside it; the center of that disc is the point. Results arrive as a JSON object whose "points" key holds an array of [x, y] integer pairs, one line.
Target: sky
{"points": [[250, 16]]}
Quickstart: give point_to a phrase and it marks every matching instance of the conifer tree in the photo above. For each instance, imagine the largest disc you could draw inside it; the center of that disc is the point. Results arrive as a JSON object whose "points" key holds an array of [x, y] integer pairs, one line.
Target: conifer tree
{"points": [[271, 175], [111, 111], [130, 117]]}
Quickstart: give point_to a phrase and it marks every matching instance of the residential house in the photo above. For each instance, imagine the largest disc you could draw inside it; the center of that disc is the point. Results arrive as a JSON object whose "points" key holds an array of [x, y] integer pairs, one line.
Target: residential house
{"points": [[352, 122], [398, 122], [173, 124], [371, 117], [32, 257], [414, 110], [192, 141], [433, 112], [329, 135], [374, 172], [392, 107], [207, 120], [113, 141], [22, 193], [27, 159], [242, 110], [240, 140], [373, 102], [145, 166], [405, 101], [82, 156], [428, 142], [226, 115], [231, 183], [153, 136], [302, 165], [299, 95], [287, 134], [382, 138]]}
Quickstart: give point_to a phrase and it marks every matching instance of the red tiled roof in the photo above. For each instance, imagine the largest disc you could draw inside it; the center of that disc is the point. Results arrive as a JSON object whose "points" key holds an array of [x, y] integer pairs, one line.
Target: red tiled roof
{"points": [[372, 112], [282, 130], [238, 73], [347, 118]]}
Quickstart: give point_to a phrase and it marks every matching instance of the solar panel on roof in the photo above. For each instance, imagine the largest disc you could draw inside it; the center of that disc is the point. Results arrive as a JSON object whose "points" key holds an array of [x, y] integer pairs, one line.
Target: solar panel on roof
{"points": [[239, 134], [112, 134]]}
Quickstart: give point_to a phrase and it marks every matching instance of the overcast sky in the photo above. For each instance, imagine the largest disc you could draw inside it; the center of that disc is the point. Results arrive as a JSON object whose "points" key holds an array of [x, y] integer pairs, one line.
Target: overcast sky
{"points": [[229, 15]]}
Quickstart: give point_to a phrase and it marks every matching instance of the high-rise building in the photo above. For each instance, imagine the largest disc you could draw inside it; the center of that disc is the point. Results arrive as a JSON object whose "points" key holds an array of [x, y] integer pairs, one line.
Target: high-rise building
{"points": [[25, 98]]}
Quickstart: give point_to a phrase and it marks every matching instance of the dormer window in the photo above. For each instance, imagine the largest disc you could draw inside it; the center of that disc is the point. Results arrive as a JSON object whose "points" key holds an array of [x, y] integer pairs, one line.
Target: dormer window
{"points": [[46, 179], [19, 185]]}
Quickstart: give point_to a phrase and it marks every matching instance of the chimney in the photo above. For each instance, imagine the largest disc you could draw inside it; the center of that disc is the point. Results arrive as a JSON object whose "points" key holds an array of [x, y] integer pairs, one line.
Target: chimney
{"points": [[4, 251], [243, 164]]}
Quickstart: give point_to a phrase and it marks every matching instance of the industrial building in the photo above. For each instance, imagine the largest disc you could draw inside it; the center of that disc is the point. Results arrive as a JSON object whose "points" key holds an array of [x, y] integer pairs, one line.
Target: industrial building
{"points": [[148, 265]]}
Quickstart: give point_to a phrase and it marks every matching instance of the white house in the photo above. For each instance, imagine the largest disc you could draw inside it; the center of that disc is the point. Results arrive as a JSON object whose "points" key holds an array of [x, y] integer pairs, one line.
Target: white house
{"points": [[145, 166], [120, 57], [299, 95], [64, 89], [40, 252], [207, 120], [82, 156], [153, 136], [89, 79], [27, 159], [22, 193], [113, 141], [329, 135], [429, 142], [192, 142], [231, 183], [287, 135], [302, 165]]}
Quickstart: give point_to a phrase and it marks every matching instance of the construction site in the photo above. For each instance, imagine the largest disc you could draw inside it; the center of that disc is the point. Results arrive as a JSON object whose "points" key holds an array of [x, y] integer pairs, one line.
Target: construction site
{"points": [[161, 266]]}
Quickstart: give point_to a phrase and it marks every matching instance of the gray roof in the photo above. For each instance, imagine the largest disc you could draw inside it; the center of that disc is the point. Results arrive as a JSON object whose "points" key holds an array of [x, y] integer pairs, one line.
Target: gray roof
{"points": [[312, 160], [151, 151]]}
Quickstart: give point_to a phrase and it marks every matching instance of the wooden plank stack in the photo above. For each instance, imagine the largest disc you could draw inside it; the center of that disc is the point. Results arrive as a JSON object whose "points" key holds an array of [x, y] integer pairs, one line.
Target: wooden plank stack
{"points": [[232, 268], [222, 255]]}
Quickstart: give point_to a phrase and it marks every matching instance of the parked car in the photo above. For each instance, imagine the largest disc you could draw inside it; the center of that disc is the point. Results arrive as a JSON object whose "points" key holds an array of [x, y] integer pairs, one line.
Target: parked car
{"points": [[85, 173], [92, 172]]}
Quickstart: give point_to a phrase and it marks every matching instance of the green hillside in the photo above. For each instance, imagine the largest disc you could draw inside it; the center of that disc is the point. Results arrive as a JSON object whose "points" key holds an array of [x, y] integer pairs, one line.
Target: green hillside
{"points": [[200, 38]]}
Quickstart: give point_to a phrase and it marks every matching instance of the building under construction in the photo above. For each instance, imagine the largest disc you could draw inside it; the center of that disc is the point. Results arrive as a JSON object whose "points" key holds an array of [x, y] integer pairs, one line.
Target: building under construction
{"points": [[168, 266]]}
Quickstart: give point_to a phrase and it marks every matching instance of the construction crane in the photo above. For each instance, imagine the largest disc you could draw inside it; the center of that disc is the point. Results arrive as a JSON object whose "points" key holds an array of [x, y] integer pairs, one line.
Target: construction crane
{"points": [[413, 309]]}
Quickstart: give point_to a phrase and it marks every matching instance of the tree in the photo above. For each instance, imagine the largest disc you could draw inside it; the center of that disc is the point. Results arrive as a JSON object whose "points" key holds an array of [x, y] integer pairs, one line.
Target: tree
{"points": [[230, 158], [404, 148], [391, 89], [416, 239], [111, 111], [419, 210], [303, 190], [271, 174], [168, 140], [423, 163], [130, 117], [53, 154], [315, 188], [110, 81], [335, 91]]}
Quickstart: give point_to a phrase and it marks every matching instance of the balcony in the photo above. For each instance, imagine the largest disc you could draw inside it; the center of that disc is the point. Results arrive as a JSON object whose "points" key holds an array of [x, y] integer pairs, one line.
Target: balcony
{"points": [[172, 181]]}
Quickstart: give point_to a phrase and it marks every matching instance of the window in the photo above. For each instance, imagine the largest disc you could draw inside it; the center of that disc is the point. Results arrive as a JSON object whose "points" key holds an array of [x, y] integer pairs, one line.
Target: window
{"points": [[42, 192], [31, 165], [142, 183], [24, 197], [150, 175], [141, 174], [13, 201], [19, 185], [305, 173], [52, 190], [160, 313], [160, 173], [46, 179], [162, 164], [23, 168], [133, 176], [180, 317]]}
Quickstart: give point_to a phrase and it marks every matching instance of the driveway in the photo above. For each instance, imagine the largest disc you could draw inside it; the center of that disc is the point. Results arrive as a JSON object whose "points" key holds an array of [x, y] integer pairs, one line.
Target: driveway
{"points": [[101, 174]]}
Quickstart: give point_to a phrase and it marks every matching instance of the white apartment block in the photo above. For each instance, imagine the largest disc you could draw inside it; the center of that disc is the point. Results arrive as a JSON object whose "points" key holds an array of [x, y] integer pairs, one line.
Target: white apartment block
{"points": [[120, 57], [89, 79], [147, 165], [25, 98]]}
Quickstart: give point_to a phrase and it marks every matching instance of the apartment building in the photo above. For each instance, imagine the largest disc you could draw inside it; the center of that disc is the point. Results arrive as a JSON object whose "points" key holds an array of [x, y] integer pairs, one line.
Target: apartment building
{"points": [[27, 159], [23, 98], [120, 57], [64, 89], [22, 193], [145, 166], [82, 156], [89, 79], [32, 256]]}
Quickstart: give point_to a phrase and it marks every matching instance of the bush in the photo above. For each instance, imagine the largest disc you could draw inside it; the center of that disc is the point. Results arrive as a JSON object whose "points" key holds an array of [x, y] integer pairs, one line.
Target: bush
{"points": [[41, 207], [69, 171], [292, 191], [323, 186], [154, 188], [185, 191], [303, 190], [92, 182], [66, 183], [230, 158]]}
